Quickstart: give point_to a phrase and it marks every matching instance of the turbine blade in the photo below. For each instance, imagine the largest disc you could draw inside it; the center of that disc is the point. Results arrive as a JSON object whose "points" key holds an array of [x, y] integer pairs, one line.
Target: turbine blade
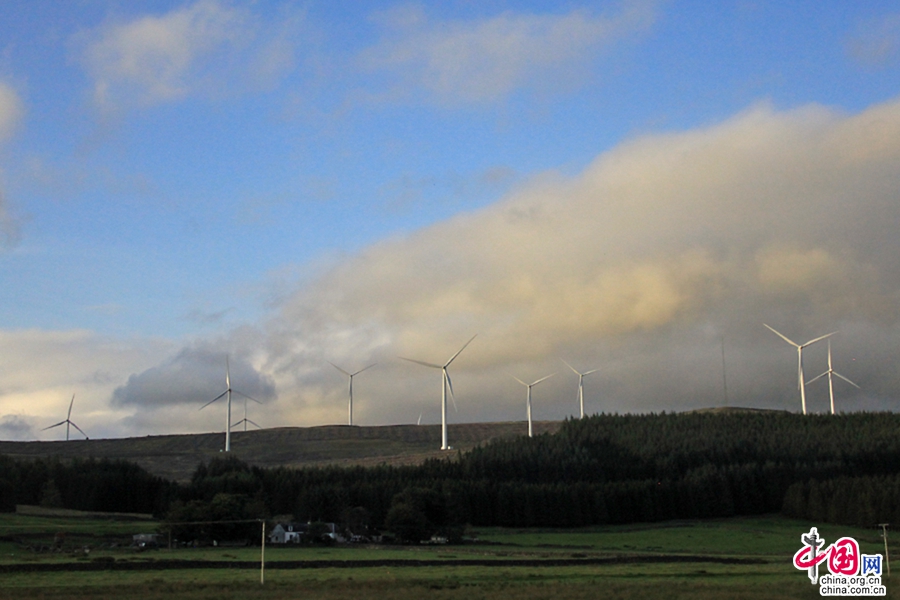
{"points": [[519, 380], [782, 336], [52, 426], [570, 366], [222, 395], [845, 379], [818, 377], [361, 370], [252, 423], [79, 429], [452, 358], [421, 362], [543, 378], [246, 396], [227, 373], [450, 386], [821, 337], [71, 402], [339, 369], [589, 372]]}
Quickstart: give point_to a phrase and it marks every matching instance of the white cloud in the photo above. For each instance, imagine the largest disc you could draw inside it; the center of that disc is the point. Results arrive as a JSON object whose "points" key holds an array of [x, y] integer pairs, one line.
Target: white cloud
{"points": [[788, 218], [10, 229], [638, 266], [477, 61], [193, 375], [11, 111], [206, 47], [876, 42], [40, 370]]}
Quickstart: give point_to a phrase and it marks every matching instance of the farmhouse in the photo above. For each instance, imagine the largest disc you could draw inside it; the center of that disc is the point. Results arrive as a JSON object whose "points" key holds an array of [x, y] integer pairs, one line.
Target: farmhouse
{"points": [[295, 533], [288, 533]]}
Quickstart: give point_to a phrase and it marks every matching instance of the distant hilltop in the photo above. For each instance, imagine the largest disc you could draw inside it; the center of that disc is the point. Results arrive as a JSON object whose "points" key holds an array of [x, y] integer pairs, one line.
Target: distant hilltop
{"points": [[736, 410], [176, 457]]}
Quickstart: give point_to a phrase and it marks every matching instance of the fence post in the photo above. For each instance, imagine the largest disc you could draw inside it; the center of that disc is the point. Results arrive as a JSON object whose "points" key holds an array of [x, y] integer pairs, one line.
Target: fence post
{"points": [[262, 556]]}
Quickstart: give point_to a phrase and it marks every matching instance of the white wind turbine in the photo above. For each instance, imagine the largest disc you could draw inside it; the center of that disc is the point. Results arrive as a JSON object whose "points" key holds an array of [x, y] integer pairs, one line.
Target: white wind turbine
{"points": [[351, 376], [581, 377], [528, 397], [245, 420], [68, 422], [831, 372], [800, 381], [227, 394], [445, 384]]}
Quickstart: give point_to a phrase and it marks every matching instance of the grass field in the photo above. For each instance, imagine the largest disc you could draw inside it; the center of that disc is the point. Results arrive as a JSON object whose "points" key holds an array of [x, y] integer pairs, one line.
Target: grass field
{"points": [[729, 558]]}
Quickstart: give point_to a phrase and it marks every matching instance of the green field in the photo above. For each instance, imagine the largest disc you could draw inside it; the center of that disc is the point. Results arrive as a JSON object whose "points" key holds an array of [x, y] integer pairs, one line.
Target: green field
{"points": [[729, 558]]}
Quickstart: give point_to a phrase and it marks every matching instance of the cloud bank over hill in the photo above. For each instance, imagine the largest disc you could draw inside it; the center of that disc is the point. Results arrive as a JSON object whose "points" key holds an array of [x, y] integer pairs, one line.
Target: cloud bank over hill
{"points": [[638, 265], [642, 265]]}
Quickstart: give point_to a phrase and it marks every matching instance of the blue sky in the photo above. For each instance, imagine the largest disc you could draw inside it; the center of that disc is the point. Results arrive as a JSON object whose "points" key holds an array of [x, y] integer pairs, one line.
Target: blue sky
{"points": [[295, 182]]}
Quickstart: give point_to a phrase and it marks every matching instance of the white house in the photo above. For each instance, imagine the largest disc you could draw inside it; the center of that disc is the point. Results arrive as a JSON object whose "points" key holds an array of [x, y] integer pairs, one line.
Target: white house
{"points": [[288, 533]]}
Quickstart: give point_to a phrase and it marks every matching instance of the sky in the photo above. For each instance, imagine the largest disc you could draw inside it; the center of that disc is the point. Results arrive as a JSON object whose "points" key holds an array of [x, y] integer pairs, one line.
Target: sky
{"points": [[630, 186]]}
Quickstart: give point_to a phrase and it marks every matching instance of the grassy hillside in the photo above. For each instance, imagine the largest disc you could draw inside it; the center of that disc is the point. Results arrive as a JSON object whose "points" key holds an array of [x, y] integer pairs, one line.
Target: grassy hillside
{"points": [[176, 456]]}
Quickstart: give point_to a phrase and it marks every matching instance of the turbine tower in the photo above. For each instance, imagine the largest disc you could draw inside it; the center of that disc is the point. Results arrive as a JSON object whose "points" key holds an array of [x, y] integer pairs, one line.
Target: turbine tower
{"points": [[580, 384], [68, 422], [351, 376], [831, 372], [227, 394], [445, 384], [528, 397], [800, 381]]}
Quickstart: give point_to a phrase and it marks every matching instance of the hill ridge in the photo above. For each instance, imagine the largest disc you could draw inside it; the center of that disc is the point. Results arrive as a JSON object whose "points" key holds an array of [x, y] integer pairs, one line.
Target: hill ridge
{"points": [[176, 456]]}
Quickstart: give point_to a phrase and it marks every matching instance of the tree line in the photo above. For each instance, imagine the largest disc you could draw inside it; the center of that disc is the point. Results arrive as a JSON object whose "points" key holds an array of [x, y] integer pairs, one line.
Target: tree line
{"points": [[83, 484], [597, 470]]}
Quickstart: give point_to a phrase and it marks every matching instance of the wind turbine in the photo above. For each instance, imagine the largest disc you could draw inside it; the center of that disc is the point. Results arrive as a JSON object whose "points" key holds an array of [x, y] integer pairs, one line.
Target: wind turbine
{"points": [[245, 420], [800, 381], [445, 384], [351, 376], [68, 422], [831, 372], [227, 394], [528, 400], [580, 384]]}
